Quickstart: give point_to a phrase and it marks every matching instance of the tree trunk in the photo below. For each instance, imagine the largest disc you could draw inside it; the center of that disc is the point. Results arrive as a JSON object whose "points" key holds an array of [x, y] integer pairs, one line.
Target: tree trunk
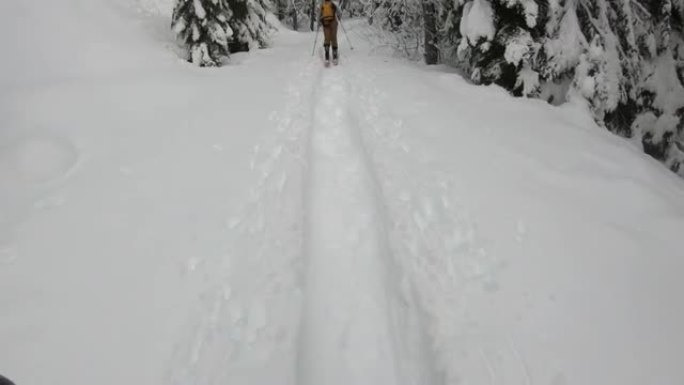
{"points": [[282, 8], [430, 32], [295, 23]]}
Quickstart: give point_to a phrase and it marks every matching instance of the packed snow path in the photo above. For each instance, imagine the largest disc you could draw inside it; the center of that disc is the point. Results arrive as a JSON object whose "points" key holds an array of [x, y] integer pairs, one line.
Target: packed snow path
{"points": [[317, 225], [347, 333]]}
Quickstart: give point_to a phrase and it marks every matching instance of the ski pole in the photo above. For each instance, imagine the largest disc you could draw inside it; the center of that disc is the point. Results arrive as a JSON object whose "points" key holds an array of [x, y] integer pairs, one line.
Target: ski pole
{"points": [[313, 51], [345, 34]]}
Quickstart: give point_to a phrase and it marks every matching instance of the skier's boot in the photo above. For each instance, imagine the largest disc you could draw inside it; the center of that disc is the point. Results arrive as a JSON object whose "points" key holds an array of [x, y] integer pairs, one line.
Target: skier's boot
{"points": [[327, 54], [335, 55]]}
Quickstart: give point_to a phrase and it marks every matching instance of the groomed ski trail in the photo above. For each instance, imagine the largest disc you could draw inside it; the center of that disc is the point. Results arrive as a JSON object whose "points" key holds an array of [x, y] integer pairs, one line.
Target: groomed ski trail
{"points": [[347, 332]]}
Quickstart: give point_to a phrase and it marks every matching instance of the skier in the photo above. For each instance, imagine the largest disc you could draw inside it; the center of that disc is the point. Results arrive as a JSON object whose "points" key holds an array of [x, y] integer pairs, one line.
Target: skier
{"points": [[329, 21]]}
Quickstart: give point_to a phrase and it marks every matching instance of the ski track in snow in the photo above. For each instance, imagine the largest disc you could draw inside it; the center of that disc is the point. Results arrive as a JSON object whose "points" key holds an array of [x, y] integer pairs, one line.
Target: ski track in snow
{"points": [[336, 269], [346, 335], [437, 257]]}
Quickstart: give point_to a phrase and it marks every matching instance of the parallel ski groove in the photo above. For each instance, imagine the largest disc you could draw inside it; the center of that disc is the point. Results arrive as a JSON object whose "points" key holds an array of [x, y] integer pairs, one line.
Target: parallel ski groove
{"points": [[347, 334]]}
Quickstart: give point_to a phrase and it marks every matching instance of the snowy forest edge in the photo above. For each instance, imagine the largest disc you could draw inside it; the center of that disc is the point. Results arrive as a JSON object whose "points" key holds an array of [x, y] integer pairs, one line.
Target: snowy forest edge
{"points": [[623, 59]]}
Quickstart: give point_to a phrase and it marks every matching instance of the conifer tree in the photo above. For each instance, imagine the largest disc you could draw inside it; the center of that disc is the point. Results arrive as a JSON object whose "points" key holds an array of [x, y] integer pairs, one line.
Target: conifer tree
{"points": [[211, 29], [202, 26]]}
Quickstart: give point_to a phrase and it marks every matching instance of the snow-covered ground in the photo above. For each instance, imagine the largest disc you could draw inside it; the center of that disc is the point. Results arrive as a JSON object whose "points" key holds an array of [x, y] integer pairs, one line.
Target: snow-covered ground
{"points": [[276, 222]]}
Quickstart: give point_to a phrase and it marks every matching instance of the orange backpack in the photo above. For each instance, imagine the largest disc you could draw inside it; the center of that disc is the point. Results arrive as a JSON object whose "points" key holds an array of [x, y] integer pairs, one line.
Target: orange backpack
{"points": [[327, 12]]}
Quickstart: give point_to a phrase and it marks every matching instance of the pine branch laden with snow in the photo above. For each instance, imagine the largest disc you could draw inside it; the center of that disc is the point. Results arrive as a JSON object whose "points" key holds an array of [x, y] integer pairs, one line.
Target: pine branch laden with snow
{"points": [[202, 26], [500, 43], [252, 30], [477, 24], [565, 42]]}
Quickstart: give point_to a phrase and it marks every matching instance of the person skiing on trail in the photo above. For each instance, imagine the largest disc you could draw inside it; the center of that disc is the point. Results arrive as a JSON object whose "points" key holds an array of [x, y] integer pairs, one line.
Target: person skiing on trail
{"points": [[329, 21]]}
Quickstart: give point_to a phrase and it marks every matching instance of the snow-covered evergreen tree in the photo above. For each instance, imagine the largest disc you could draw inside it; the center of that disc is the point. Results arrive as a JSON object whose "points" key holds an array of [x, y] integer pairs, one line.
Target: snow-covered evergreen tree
{"points": [[211, 29], [659, 124], [202, 26], [628, 72], [624, 57]]}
